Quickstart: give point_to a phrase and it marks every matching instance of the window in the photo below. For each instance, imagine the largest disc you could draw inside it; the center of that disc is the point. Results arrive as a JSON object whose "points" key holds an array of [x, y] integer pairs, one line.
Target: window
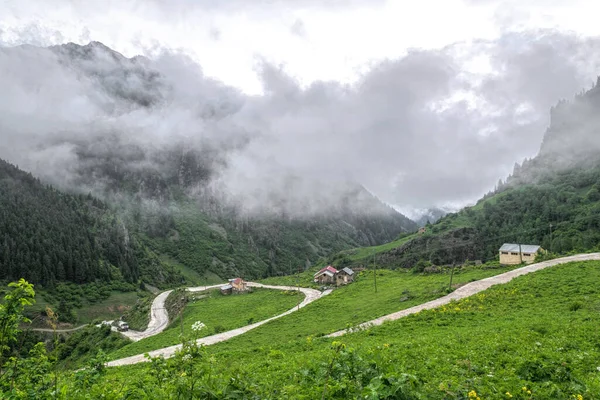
{"points": [[526, 254], [505, 252], [514, 254]]}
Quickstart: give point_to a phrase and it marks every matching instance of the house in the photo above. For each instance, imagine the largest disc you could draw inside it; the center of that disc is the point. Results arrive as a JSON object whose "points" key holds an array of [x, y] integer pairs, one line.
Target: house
{"points": [[511, 254], [344, 276], [226, 289], [238, 285], [326, 275], [422, 230]]}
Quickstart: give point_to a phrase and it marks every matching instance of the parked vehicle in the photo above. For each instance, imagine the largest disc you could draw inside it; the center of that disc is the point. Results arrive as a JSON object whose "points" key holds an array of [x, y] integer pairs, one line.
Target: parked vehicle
{"points": [[122, 326]]}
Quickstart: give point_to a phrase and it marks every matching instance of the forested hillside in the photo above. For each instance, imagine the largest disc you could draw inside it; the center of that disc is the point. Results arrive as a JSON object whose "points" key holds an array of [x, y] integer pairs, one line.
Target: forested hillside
{"points": [[47, 236]]}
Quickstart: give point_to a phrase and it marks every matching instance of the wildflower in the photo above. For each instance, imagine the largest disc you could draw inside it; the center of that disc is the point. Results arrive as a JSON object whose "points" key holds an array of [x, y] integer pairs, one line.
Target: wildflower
{"points": [[524, 388], [578, 397], [508, 395], [187, 357], [197, 326], [598, 368], [386, 345], [472, 394]]}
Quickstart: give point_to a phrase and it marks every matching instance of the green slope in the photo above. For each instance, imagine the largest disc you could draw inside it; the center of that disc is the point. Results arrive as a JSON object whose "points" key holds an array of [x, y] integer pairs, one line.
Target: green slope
{"points": [[534, 337]]}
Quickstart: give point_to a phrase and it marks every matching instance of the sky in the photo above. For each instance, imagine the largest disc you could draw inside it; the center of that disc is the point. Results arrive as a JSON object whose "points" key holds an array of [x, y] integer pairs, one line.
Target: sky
{"points": [[426, 103]]}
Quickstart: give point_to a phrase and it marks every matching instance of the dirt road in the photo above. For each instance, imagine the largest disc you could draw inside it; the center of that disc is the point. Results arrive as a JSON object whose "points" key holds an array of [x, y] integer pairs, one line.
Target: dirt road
{"points": [[310, 295], [473, 288], [159, 317]]}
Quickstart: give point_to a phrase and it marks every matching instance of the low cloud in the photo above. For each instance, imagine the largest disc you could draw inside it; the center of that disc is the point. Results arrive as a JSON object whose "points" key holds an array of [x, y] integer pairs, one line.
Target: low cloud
{"points": [[427, 129]]}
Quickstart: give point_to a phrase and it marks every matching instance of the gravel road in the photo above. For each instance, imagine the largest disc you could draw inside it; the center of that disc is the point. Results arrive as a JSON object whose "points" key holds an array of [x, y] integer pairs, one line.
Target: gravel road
{"points": [[310, 295], [472, 288]]}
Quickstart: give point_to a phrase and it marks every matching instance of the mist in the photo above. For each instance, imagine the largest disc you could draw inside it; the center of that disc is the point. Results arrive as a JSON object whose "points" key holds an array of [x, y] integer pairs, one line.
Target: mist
{"points": [[429, 129]]}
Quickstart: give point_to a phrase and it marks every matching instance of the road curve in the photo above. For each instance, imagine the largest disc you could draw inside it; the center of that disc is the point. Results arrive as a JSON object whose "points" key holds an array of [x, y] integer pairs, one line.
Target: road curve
{"points": [[310, 295], [472, 288], [159, 317]]}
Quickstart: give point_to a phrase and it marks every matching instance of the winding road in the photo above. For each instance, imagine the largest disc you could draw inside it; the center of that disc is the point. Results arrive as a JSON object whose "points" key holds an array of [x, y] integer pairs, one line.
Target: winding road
{"points": [[312, 295]]}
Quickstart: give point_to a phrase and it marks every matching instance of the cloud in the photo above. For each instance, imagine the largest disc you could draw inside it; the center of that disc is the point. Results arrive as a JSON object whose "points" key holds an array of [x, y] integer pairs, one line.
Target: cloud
{"points": [[423, 130]]}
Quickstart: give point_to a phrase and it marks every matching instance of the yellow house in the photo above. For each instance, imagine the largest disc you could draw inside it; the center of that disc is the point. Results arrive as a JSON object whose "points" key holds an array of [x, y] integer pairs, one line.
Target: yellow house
{"points": [[511, 253]]}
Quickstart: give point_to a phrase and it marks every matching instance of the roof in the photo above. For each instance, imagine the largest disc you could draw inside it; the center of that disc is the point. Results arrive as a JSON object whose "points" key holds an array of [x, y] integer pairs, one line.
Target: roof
{"points": [[348, 271], [332, 271], [236, 281], [226, 287], [525, 248]]}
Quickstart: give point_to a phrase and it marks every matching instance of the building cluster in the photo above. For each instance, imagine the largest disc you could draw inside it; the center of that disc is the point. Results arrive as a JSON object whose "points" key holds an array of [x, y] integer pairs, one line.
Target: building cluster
{"points": [[235, 285], [331, 276]]}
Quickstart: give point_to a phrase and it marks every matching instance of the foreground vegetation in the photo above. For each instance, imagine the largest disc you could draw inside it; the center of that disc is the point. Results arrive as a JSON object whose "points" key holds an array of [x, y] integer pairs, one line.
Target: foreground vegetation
{"points": [[219, 314], [533, 338]]}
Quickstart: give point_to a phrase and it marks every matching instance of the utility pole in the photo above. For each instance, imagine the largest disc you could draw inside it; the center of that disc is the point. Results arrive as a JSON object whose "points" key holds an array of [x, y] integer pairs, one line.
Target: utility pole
{"points": [[181, 313], [550, 237], [451, 276], [374, 273], [520, 253], [298, 285]]}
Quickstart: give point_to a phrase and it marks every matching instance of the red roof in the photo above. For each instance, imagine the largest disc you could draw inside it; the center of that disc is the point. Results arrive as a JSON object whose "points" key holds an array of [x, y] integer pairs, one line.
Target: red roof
{"points": [[327, 268]]}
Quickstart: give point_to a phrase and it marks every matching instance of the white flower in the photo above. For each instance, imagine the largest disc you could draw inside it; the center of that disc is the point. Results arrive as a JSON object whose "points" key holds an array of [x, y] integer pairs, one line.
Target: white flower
{"points": [[187, 357], [197, 326], [598, 368]]}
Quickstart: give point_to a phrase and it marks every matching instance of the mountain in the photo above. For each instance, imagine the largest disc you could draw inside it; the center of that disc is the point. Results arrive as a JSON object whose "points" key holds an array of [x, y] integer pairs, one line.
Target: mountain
{"points": [[552, 199], [430, 216], [157, 153], [48, 236]]}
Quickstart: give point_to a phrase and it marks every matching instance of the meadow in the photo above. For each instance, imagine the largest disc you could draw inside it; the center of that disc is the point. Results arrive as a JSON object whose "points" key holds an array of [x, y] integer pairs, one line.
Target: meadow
{"points": [[533, 338], [218, 313]]}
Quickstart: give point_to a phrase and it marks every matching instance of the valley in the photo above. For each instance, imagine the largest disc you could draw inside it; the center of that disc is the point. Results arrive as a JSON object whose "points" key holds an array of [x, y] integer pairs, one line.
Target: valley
{"points": [[254, 244]]}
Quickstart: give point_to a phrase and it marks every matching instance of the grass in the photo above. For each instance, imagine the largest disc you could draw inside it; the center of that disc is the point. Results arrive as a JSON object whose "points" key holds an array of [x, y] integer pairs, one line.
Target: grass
{"points": [[117, 304], [112, 308], [357, 303], [191, 276], [533, 338], [219, 313]]}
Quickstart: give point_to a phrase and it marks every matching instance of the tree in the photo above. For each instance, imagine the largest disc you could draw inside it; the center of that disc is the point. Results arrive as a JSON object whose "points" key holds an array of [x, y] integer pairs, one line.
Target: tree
{"points": [[11, 314]]}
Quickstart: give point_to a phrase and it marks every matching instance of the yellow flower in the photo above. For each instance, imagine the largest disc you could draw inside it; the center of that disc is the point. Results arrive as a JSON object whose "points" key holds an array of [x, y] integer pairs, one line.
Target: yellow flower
{"points": [[472, 394], [524, 388], [386, 345], [529, 392], [578, 397], [508, 395]]}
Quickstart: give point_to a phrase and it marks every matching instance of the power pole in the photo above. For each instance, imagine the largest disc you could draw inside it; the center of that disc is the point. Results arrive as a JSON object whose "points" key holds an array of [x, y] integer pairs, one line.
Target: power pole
{"points": [[451, 276], [520, 253], [550, 237], [374, 273], [298, 285]]}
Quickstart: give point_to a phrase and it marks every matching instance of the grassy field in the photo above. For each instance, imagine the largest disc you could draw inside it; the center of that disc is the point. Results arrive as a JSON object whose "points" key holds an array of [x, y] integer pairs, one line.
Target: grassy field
{"points": [[117, 304], [357, 303], [192, 277], [536, 337], [219, 313]]}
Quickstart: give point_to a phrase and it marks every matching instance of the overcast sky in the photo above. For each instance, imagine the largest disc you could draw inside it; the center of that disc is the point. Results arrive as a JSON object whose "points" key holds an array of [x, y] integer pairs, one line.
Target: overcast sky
{"points": [[426, 103]]}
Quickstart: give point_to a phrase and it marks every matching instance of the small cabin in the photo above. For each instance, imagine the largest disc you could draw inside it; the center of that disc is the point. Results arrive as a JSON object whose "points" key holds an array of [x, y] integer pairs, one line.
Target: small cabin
{"points": [[326, 275], [227, 289], [238, 285], [344, 276], [512, 254]]}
